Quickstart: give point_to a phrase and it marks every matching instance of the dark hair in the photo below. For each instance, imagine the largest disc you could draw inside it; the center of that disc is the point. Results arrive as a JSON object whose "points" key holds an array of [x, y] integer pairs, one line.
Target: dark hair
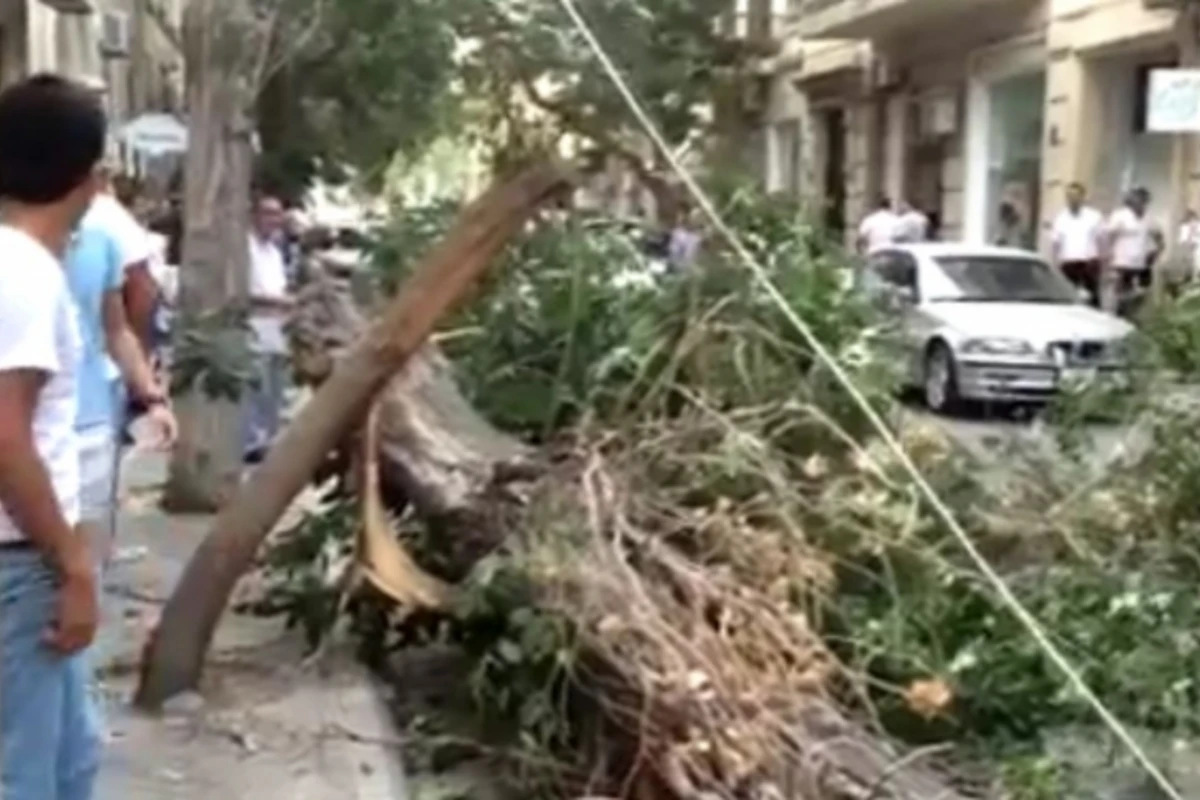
{"points": [[883, 201], [51, 138], [1077, 185]]}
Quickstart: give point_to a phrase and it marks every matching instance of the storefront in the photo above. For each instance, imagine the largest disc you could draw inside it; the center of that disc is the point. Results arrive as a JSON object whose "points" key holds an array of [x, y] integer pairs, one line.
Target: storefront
{"points": [[1005, 133]]}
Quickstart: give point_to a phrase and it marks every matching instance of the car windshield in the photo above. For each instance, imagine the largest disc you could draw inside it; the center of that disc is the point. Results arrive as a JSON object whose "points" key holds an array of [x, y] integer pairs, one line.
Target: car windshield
{"points": [[997, 279]]}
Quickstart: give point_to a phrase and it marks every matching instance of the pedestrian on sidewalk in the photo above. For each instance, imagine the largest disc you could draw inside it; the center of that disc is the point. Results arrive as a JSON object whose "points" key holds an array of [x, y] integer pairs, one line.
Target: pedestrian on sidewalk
{"points": [[1077, 238], [1010, 229], [270, 305], [95, 268], [1189, 247], [52, 135], [879, 228], [1131, 247], [912, 225]]}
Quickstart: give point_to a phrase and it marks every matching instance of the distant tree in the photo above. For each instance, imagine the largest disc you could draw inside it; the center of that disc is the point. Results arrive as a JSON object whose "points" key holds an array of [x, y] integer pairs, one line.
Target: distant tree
{"points": [[369, 79], [527, 58], [363, 81]]}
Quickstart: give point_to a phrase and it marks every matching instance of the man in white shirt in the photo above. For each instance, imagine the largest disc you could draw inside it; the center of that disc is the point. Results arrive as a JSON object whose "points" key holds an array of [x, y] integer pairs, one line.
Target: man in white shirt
{"points": [[1077, 237], [1132, 243], [52, 136], [270, 305], [912, 225], [879, 229]]}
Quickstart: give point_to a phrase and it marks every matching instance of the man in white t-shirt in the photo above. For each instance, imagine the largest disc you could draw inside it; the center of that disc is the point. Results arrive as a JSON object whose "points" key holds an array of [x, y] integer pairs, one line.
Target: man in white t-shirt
{"points": [[879, 229], [1077, 237], [1132, 243], [270, 306], [911, 225], [52, 136]]}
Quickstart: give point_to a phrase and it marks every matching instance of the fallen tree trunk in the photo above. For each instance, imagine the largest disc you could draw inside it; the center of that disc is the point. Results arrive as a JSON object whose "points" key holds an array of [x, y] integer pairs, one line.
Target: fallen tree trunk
{"points": [[696, 683], [175, 654]]}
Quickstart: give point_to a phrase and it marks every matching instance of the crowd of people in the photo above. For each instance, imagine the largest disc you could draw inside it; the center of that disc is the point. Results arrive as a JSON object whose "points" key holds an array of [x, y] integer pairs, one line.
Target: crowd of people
{"points": [[1110, 257], [82, 291]]}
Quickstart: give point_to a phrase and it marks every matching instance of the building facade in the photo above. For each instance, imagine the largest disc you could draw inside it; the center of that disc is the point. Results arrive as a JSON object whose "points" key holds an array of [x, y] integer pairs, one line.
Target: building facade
{"points": [[959, 106], [126, 47]]}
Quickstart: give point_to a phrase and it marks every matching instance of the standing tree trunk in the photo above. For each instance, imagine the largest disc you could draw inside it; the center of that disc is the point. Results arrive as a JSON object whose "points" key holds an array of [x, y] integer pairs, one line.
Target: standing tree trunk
{"points": [[219, 44]]}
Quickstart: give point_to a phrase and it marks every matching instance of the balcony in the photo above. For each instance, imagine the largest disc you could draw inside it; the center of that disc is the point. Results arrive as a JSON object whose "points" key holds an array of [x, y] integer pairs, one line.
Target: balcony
{"points": [[871, 19]]}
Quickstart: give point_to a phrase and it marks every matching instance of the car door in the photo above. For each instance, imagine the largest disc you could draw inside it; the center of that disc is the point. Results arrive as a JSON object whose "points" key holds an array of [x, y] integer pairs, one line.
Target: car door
{"points": [[892, 284]]}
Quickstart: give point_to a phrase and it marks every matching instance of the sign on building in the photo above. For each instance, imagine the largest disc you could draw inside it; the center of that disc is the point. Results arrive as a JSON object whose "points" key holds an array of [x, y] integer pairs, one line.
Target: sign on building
{"points": [[1173, 104]]}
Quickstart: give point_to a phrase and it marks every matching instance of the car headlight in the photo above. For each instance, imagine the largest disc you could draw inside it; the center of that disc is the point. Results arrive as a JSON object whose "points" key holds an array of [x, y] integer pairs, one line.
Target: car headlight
{"points": [[998, 347]]}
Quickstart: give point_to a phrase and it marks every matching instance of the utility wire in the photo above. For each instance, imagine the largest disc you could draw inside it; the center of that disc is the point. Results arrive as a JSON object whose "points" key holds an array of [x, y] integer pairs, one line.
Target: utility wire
{"points": [[1018, 610]]}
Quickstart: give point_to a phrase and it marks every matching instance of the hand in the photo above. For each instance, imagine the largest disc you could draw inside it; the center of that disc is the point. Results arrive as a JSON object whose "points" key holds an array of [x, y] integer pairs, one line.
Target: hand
{"points": [[77, 614], [163, 419]]}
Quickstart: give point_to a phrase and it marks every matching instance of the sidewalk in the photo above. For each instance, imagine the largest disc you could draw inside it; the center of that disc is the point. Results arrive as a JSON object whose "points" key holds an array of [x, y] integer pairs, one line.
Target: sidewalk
{"points": [[261, 724]]}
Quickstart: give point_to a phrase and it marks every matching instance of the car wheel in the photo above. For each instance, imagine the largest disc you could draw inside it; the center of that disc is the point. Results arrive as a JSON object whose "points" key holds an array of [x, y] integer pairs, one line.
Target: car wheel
{"points": [[940, 383]]}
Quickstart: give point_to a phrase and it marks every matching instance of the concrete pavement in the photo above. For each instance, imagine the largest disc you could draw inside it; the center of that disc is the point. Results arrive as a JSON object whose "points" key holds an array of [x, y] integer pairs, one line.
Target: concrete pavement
{"points": [[261, 724]]}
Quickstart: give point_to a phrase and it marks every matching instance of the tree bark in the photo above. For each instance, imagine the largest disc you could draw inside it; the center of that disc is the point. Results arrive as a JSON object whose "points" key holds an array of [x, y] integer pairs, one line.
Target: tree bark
{"points": [[175, 653], [219, 41]]}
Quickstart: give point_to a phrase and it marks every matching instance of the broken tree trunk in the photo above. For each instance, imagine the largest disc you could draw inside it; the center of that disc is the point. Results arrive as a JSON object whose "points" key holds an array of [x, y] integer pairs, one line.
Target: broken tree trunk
{"points": [[175, 653], [469, 484], [437, 454]]}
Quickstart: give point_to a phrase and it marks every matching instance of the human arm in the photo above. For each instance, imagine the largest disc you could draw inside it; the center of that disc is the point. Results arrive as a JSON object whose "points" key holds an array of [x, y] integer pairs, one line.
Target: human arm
{"points": [[140, 297], [28, 357], [127, 352], [26, 491], [1056, 241]]}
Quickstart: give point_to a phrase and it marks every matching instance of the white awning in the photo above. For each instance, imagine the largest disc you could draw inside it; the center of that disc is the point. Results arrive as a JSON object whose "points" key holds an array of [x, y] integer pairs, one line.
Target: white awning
{"points": [[155, 134]]}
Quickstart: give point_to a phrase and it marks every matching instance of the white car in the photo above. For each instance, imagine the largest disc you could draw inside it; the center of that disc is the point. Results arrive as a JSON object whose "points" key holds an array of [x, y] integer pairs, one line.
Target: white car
{"points": [[991, 323]]}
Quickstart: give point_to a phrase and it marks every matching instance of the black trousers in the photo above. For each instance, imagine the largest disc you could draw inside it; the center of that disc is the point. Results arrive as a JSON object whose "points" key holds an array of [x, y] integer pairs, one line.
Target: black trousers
{"points": [[1084, 275]]}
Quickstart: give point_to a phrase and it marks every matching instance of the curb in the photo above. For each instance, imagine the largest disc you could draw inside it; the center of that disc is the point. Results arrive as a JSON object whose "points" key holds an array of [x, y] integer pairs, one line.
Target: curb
{"points": [[369, 740]]}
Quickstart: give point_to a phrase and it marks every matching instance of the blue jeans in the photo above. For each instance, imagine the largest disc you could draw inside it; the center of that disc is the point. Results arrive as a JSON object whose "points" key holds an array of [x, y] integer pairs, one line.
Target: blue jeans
{"points": [[264, 408], [49, 725]]}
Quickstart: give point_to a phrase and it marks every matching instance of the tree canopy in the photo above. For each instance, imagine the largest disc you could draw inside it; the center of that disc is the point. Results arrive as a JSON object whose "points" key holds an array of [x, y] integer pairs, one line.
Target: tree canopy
{"points": [[369, 79]]}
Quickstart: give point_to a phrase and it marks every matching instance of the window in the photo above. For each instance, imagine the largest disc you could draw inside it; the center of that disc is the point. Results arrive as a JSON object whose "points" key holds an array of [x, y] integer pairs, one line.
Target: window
{"points": [[997, 279], [786, 158], [890, 274]]}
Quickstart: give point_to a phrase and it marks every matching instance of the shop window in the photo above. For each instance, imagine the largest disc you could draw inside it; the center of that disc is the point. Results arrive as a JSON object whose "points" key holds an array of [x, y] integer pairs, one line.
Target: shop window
{"points": [[1014, 153]]}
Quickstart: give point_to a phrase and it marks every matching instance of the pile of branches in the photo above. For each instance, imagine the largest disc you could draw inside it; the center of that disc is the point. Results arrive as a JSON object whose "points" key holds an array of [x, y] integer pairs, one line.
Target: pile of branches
{"points": [[695, 635], [643, 593]]}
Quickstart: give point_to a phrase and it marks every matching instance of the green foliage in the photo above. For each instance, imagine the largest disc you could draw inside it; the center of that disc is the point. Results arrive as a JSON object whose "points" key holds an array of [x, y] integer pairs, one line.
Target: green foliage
{"points": [[1170, 335], [522, 655], [213, 356], [305, 567], [577, 320], [366, 80], [363, 81], [527, 50]]}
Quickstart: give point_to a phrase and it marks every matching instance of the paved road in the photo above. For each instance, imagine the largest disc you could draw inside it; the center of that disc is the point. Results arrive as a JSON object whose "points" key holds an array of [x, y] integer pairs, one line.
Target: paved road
{"points": [[989, 435]]}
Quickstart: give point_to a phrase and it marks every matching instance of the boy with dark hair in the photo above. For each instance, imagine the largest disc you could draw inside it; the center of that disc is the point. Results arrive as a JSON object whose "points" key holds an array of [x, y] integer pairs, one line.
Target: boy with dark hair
{"points": [[52, 134]]}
